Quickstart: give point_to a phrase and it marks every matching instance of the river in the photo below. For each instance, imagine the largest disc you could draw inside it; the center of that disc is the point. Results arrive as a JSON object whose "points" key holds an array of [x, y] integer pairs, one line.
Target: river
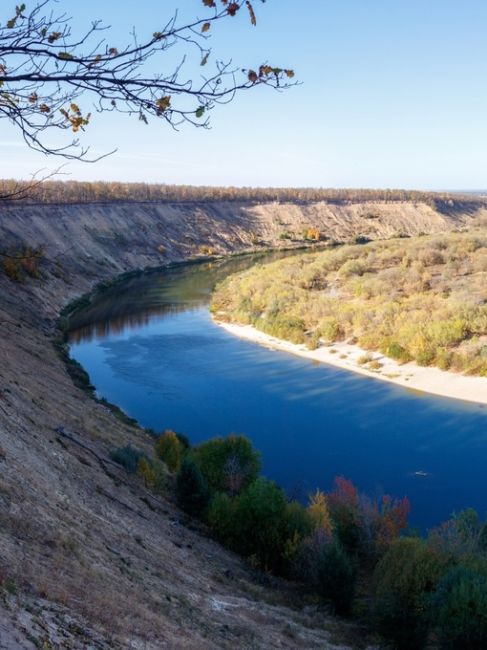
{"points": [[150, 346]]}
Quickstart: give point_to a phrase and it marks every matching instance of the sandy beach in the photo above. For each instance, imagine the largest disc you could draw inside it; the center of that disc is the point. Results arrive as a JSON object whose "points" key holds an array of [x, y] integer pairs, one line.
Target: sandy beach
{"points": [[346, 356]]}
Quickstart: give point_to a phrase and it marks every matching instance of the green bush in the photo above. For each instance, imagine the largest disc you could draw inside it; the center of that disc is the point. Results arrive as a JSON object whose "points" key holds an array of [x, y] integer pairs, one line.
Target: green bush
{"points": [[321, 563], [425, 357], [336, 576], [128, 457], [228, 464], [458, 537], [352, 267], [192, 491], [330, 329], [444, 359], [395, 351], [298, 520], [313, 341], [283, 327], [460, 609], [260, 523], [221, 518], [298, 525], [154, 473], [405, 578], [170, 450]]}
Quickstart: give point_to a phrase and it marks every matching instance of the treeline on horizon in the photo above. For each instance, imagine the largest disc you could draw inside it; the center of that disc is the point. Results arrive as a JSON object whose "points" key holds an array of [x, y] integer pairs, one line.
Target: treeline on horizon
{"points": [[100, 191]]}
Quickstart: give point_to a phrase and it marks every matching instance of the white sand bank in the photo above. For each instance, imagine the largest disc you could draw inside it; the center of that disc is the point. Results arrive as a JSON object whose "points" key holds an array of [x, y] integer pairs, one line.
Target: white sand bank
{"points": [[345, 355]]}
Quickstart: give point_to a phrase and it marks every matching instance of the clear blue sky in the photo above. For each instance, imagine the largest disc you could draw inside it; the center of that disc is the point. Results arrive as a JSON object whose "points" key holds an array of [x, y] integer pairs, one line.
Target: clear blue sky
{"points": [[393, 94]]}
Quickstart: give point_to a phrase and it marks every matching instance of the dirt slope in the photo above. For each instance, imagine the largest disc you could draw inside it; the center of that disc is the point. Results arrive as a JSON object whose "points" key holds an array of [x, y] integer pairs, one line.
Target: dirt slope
{"points": [[124, 235], [88, 558]]}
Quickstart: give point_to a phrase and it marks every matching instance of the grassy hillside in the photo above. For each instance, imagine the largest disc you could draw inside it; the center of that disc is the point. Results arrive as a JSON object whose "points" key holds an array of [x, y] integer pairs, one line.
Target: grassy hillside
{"points": [[421, 299]]}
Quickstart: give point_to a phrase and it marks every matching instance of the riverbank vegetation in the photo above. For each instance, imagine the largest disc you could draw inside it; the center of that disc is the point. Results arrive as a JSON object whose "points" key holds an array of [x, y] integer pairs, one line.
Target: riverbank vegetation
{"points": [[347, 550], [421, 299]]}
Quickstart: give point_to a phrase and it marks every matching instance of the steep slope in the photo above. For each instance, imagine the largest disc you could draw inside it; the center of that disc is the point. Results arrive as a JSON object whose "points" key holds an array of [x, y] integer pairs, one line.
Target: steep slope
{"points": [[123, 235], [88, 558]]}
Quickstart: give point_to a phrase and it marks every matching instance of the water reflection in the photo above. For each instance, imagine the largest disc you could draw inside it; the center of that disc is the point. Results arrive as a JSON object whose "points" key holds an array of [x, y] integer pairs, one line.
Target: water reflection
{"points": [[138, 300]]}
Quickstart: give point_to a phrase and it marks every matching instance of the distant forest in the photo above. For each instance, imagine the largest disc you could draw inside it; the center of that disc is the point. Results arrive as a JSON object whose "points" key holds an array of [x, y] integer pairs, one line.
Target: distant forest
{"points": [[97, 191]]}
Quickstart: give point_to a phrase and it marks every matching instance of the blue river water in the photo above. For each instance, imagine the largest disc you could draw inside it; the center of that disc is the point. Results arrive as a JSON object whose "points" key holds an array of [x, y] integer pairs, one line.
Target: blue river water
{"points": [[150, 346]]}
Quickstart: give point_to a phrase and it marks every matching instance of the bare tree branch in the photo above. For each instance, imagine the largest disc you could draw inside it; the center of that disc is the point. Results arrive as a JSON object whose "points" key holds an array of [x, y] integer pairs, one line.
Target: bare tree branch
{"points": [[22, 189]]}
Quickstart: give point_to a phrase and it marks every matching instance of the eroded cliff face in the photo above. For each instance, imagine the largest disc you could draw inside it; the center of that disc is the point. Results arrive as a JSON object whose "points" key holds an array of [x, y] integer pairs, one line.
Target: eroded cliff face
{"points": [[88, 557], [99, 240]]}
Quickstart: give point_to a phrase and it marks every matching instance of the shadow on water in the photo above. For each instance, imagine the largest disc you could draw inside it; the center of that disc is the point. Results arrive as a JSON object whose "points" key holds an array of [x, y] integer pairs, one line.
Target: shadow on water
{"points": [[150, 346]]}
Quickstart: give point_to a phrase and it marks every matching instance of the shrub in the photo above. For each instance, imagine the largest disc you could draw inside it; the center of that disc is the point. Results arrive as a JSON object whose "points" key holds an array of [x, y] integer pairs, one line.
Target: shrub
{"points": [[128, 457], [382, 521], [352, 267], [362, 239], [319, 513], [298, 525], [336, 576], [18, 262], [192, 492], [228, 464], [154, 473], [458, 537], [395, 351], [444, 359], [260, 523], [221, 518], [312, 234], [170, 450], [321, 563], [313, 341], [405, 579], [343, 504], [460, 609], [298, 520], [330, 329], [12, 268], [468, 523], [365, 358], [425, 356], [284, 327]]}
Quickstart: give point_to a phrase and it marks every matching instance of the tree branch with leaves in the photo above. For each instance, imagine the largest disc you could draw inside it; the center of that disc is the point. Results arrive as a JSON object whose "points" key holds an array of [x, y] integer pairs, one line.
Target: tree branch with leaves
{"points": [[52, 81]]}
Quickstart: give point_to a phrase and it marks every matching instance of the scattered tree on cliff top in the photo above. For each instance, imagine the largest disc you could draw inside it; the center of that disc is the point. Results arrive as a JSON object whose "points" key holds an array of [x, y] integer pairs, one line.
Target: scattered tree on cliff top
{"points": [[49, 77]]}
